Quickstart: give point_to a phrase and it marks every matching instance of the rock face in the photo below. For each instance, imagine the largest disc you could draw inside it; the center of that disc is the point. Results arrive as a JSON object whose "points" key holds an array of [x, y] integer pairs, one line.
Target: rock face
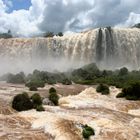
{"points": [[109, 47]]}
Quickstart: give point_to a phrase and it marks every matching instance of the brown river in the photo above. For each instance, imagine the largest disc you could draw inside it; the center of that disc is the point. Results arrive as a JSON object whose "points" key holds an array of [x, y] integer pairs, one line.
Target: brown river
{"points": [[111, 118]]}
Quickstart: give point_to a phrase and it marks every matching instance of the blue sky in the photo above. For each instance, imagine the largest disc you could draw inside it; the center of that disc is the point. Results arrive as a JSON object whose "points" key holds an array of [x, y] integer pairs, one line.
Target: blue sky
{"points": [[56, 16], [18, 4]]}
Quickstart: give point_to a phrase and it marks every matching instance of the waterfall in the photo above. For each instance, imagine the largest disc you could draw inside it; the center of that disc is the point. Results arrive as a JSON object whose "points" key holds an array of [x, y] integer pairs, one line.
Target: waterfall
{"points": [[109, 48]]}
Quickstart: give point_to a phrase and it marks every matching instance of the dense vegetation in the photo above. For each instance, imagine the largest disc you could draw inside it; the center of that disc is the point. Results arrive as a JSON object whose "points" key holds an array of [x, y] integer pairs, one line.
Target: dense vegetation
{"points": [[131, 91], [37, 102], [51, 34], [53, 97], [89, 74], [137, 25], [18, 78], [6, 35], [87, 131], [104, 89], [22, 102]]}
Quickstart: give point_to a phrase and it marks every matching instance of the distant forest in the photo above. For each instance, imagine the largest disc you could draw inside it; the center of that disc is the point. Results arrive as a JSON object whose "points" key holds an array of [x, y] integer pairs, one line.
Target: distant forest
{"points": [[46, 34], [6, 35]]}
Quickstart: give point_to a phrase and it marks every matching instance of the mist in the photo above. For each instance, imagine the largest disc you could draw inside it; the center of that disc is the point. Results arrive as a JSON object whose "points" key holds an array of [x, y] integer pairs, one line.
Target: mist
{"points": [[109, 48]]}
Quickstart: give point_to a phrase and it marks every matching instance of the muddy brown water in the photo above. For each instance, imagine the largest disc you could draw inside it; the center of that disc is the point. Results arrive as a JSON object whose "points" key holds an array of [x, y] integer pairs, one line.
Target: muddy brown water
{"points": [[111, 118]]}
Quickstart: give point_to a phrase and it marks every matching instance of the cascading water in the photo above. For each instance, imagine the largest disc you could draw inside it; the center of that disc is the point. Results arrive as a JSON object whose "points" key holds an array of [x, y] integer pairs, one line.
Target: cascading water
{"points": [[109, 48]]}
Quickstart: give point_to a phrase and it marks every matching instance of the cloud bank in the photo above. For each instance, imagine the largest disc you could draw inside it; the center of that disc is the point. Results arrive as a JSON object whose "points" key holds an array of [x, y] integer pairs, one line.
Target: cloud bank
{"points": [[68, 15]]}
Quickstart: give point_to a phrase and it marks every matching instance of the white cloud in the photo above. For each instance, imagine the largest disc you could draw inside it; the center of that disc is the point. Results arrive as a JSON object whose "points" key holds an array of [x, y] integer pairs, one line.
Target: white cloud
{"points": [[8, 3], [132, 19], [22, 22], [2, 7], [68, 15]]}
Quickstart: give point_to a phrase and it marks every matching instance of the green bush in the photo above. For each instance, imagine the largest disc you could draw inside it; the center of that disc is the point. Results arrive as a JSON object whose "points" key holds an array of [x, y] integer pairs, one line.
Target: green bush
{"points": [[123, 71], [35, 83], [33, 88], [22, 102], [66, 82], [54, 98], [120, 95], [40, 108], [36, 99], [131, 91], [104, 89], [52, 90], [87, 131], [16, 79]]}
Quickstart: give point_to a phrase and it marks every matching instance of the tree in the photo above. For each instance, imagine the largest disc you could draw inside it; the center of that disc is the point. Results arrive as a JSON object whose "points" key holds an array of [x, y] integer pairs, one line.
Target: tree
{"points": [[60, 34], [9, 32], [49, 34], [87, 131], [123, 71], [52, 90], [131, 92], [104, 89], [6, 35], [36, 99], [33, 88], [22, 102], [40, 108], [16, 79], [53, 96], [35, 83]]}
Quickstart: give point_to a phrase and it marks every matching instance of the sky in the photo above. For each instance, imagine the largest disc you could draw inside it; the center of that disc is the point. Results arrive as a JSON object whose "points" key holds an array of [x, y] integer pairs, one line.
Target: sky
{"points": [[31, 17]]}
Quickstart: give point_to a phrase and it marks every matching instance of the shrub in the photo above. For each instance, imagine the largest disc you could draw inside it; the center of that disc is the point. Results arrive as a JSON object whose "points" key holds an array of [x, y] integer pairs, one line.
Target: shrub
{"points": [[120, 95], [40, 108], [16, 79], [33, 88], [54, 98], [36, 99], [131, 92], [49, 34], [35, 83], [60, 34], [103, 89], [87, 131], [22, 102], [66, 82], [52, 90], [123, 71]]}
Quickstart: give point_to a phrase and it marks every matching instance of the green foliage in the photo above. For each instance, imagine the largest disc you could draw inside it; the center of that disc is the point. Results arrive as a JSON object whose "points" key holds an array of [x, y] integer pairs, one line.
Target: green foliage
{"points": [[121, 95], [131, 91], [36, 99], [40, 108], [16, 79], [60, 34], [137, 25], [50, 78], [52, 90], [87, 132], [49, 34], [66, 82], [53, 97], [123, 71], [35, 83], [33, 88], [104, 89], [22, 102], [88, 72], [6, 35]]}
